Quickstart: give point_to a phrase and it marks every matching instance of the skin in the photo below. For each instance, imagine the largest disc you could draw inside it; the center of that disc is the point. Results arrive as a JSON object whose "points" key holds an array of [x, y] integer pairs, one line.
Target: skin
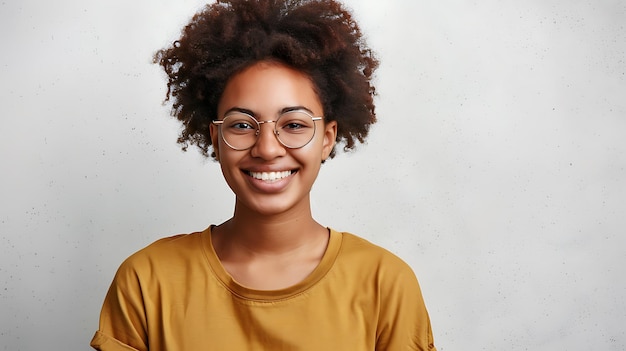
{"points": [[272, 240]]}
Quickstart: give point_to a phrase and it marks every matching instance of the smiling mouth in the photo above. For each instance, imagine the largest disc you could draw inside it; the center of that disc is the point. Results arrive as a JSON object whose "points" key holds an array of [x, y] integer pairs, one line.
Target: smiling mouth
{"points": [[270, 176]]}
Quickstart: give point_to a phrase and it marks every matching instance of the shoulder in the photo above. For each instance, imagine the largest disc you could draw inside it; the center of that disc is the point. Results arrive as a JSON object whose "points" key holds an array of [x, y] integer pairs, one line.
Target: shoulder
{"points": [[370, 259], [357, 247], [165, 253]]}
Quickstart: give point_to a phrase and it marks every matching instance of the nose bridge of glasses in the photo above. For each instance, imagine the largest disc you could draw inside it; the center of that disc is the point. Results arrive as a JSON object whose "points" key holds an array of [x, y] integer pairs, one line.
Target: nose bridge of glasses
{"points": [[266, 122], [260, 123]]}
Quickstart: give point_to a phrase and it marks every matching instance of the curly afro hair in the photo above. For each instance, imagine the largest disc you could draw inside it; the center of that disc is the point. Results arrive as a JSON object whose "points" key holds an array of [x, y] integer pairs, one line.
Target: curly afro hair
{"points": [[317, 37]]}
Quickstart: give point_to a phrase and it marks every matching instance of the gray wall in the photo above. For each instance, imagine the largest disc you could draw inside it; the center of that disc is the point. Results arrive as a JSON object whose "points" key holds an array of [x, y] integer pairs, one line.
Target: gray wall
{"points": [[497, 169]]}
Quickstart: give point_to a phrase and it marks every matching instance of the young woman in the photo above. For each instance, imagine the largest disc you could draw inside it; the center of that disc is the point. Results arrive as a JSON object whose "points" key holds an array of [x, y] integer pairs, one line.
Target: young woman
{"points": [[269, 86]]}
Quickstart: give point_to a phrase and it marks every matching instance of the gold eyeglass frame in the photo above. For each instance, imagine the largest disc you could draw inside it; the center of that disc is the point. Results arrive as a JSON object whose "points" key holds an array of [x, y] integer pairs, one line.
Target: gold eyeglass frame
{"points": [[276, 132]]}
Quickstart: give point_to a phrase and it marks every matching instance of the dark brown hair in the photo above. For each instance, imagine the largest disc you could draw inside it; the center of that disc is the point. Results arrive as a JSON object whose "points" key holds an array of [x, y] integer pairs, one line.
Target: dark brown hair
{"points": [[317, 37]]}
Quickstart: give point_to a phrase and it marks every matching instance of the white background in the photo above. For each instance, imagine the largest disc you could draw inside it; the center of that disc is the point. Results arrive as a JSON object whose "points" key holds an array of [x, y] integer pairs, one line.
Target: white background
{"points": [[497, 169]]}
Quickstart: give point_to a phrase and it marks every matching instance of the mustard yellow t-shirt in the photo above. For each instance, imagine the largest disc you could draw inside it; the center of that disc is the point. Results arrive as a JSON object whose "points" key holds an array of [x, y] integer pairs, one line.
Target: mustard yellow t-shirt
{"points": [[174, 295]]}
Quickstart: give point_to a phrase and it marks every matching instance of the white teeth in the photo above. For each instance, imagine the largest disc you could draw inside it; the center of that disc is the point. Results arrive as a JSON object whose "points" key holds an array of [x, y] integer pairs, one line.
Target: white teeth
{"points": [[270, 176]]}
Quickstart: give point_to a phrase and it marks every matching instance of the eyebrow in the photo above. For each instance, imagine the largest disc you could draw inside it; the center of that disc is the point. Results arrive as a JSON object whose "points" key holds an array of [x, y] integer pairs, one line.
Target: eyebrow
{"points": [[295, 108], [282, 111]]}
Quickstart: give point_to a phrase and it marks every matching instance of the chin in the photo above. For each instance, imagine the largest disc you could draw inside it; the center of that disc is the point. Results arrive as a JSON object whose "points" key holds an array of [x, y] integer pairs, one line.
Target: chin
{"points": [[273, 207]]}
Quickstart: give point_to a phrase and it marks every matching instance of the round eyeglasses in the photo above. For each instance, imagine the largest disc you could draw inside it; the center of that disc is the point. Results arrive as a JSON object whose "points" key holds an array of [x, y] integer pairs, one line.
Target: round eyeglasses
{"points": [[293, 129]]}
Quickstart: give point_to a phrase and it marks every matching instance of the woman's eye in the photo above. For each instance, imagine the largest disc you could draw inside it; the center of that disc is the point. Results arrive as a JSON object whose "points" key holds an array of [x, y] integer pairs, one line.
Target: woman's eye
{"points": [[242, 125], [293, 125]]}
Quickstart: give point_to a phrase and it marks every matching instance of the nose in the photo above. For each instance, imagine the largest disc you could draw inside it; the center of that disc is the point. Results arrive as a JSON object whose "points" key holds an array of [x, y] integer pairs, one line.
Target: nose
{"points": [[267, 145]]}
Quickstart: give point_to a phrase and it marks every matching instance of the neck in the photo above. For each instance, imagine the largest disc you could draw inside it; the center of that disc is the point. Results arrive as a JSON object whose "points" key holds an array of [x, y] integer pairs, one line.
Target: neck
{"points": [[270, 234]]}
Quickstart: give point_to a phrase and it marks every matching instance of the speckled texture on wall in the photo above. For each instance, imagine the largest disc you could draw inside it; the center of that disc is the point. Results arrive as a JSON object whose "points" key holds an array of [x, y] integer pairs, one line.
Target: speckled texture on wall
{"points": [[497, 170]]}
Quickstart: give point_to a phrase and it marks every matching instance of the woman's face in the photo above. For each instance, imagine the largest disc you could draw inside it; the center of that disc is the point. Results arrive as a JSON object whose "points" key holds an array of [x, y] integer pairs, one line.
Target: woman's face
{"points": [[265, 89]]}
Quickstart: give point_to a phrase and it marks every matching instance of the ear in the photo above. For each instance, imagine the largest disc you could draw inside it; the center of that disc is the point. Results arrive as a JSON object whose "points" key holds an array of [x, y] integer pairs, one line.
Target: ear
{"points": [[213, 131], [330, 135]]}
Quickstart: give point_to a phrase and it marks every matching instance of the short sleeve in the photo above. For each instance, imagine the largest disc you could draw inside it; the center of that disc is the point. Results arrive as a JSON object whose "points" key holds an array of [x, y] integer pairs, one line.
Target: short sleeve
{"points": [[104, 342], [404, 323], [123, 324]]}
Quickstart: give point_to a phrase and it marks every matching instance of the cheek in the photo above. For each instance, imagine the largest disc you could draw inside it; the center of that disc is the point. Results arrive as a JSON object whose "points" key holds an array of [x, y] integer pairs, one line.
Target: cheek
{"points": [[319, 147], [228, 160], [310, 156], [230, 173]]}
